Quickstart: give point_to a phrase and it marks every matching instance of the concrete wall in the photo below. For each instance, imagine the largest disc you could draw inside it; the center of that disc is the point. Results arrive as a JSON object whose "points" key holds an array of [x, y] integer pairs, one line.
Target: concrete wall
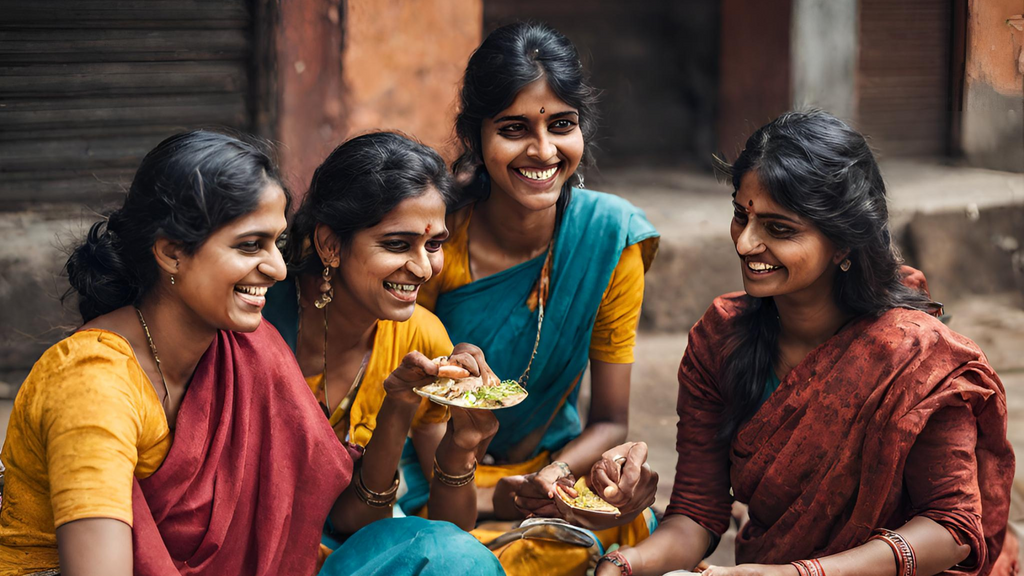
{"points": [[351, 67], [824, 55], [993, 111]]}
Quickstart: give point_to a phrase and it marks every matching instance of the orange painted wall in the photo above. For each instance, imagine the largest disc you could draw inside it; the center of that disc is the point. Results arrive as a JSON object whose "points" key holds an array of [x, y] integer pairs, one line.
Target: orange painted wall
{"points": [[995, 42], [403, 62]]}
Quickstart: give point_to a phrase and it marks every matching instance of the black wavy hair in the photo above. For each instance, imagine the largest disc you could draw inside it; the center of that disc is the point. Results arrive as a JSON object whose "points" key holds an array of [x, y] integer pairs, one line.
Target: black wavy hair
{"points": [[358, 184], [508, 60], [187, 187], [817, 166]]}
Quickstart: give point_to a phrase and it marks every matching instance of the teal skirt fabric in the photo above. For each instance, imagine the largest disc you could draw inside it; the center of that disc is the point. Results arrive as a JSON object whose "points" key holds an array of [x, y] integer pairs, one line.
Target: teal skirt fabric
{"points": [[411, 547]]}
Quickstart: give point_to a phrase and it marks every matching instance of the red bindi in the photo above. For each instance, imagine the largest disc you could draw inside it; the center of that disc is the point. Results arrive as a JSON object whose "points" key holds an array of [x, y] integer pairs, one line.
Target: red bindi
{"points": [[428, 229]]}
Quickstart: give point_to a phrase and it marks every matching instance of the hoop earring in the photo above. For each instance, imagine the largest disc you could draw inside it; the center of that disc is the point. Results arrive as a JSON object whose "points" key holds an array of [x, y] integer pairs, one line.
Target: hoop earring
{"points": [[326, 290], [845, 266]]}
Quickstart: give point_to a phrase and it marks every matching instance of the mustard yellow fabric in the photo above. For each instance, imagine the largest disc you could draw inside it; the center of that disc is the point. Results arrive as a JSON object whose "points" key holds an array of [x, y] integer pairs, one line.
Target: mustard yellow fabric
{"points": [[422, 332], [84, 422], [529, 557], [614, 334]]}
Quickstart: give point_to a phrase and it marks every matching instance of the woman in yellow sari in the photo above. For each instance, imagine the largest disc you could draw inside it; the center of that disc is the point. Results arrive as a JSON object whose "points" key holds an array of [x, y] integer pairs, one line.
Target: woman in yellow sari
{"points": [[367, 236]]}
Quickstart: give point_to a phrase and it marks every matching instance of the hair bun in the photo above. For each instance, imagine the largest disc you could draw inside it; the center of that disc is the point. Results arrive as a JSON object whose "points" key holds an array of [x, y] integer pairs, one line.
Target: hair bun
{"points": [[99, 274]]}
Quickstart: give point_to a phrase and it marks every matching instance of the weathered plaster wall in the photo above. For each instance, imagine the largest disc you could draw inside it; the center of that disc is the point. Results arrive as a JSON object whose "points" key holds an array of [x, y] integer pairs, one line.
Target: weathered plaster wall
{"points": [[824, 47], [403, 62], [350, 67], [993, 115]]}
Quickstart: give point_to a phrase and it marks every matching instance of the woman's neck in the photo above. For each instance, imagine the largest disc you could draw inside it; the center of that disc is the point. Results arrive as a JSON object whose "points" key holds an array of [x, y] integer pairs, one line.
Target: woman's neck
{"points": [[350, 327], [519, 231], [809, 322], [179, 336]]}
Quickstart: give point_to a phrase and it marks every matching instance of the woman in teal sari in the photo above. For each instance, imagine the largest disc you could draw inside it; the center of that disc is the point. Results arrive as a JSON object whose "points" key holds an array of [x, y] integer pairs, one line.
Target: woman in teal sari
{"points": [[542, 275]]}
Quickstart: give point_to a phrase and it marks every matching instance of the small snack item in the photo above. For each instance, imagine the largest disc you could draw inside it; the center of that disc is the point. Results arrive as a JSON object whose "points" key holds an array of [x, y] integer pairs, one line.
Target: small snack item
{"points": [[586, 499], [456, 387]]}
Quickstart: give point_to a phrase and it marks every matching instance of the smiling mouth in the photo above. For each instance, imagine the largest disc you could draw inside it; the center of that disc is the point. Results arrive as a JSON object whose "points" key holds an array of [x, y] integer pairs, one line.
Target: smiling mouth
{"points": [[252, 295], [762, 267], [404, 292], [538, 175]]}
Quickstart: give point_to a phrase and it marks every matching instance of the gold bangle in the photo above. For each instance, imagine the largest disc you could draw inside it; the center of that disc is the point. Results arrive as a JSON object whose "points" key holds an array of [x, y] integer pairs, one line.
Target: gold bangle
{"points": [[454, 481], [376, 499]]}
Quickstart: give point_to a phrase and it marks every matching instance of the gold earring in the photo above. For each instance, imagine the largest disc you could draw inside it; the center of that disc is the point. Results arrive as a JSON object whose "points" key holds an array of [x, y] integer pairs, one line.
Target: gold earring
{"points": [[326, 290], [845, 266]]}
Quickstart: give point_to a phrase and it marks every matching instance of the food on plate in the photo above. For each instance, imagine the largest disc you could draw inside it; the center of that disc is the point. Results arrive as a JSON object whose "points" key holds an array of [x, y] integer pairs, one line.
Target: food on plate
{"points": [[586, 499], [456, 387]]}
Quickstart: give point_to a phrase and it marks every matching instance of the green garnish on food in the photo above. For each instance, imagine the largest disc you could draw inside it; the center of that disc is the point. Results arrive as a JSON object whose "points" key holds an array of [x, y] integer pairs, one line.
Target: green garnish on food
{"points": [[495, 393]]}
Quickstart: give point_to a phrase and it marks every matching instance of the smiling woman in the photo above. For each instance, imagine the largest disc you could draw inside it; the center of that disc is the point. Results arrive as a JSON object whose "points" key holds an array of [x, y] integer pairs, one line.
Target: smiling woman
{"points": [[366, 238]]}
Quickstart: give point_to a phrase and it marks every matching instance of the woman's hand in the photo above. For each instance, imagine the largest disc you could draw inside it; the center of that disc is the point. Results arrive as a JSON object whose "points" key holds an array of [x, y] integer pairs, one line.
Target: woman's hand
{"points": [[415, 370], [752, 570], [623, 478], [471, 430], [472, 359]]}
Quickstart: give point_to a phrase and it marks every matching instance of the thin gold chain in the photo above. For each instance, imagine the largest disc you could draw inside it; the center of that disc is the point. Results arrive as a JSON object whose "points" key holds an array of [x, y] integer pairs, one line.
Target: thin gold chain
{"points": [[152, 347], [541, 298]]}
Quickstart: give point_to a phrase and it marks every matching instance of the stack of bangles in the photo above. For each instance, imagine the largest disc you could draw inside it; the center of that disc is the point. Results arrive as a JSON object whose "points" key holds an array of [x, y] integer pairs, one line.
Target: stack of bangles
{"points": [[619, 561], [906, 561], [809, 567], [376, 499], [454, 481]]}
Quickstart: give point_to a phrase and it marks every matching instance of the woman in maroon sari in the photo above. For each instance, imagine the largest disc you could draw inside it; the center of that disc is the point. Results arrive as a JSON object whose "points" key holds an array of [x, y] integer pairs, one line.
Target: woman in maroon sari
{"points": [[866, 437]]}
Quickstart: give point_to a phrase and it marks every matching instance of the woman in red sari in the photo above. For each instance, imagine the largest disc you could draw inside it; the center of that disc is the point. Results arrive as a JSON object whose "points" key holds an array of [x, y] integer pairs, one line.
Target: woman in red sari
{"points": [[866, 437]]}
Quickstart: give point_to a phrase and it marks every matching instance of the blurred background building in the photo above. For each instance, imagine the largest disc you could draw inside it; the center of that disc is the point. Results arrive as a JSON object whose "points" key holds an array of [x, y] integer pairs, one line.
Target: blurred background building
{"points": [[87, 87]]}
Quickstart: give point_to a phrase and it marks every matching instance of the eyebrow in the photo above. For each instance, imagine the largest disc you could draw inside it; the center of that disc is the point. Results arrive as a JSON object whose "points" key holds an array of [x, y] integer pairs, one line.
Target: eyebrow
{"points": [[257, 233], [525, 119], [768, 215]]}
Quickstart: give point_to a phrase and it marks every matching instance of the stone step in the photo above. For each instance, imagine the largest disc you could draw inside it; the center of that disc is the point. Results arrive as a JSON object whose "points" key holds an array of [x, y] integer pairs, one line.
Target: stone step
{"points": [[964, 227]]}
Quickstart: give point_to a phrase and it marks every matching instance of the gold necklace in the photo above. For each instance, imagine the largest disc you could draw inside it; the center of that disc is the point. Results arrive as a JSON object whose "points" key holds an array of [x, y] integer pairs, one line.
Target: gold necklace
{"points": [[152, 347]]}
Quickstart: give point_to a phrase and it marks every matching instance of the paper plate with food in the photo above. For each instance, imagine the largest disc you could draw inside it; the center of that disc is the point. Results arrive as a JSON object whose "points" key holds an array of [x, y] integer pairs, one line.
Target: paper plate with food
{"points": [[455, 386], [586, 500]]}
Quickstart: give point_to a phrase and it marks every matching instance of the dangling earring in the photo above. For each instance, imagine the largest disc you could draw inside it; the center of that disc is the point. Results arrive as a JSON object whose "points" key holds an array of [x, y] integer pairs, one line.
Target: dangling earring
{"points": [[845, 266], [172, 279], [326, 290], [175, 269], [579, 178]]}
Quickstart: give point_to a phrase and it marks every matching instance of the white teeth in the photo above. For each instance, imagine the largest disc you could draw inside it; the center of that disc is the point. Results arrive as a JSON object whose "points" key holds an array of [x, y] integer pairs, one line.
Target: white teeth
{"points": [[538, 174], [252, 290], [761, 266], [400, 287]]}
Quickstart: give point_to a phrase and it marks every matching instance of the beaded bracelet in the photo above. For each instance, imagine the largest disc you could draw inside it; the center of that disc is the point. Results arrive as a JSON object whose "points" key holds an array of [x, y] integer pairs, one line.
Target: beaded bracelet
{"points": [[376, 499], [454, 481], [906, 560], [619, 561], [809, 567]]}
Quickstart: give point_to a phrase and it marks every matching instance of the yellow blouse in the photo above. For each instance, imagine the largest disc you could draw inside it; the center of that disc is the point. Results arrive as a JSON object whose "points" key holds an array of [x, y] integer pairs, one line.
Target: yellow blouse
{"points": [[393, 340], [614, 334], [84, 422]]}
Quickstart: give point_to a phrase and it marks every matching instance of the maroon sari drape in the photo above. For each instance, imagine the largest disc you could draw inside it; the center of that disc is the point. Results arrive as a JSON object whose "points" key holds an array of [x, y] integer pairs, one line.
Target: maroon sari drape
{"points": [[822, 463], [251, 475]]}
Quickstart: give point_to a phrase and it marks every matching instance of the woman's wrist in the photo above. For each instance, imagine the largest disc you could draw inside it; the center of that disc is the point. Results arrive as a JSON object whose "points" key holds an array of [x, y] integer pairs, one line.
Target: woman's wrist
{"points": [[453, 459]]}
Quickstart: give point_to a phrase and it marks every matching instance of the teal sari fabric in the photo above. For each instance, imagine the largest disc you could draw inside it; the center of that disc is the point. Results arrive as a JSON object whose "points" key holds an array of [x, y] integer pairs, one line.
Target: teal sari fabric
{"points": [[492, 313], [411, 547]]}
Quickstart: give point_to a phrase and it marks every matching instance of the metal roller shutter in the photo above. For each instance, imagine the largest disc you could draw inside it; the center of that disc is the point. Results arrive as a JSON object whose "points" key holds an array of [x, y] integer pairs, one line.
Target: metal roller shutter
{"points": [[904, 75], [87, 87]]}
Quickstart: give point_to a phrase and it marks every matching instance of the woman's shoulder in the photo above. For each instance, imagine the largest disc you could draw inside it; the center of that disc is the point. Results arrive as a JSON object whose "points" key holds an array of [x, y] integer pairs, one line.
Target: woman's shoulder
{"points": [[920, 330], [91, 367]]}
